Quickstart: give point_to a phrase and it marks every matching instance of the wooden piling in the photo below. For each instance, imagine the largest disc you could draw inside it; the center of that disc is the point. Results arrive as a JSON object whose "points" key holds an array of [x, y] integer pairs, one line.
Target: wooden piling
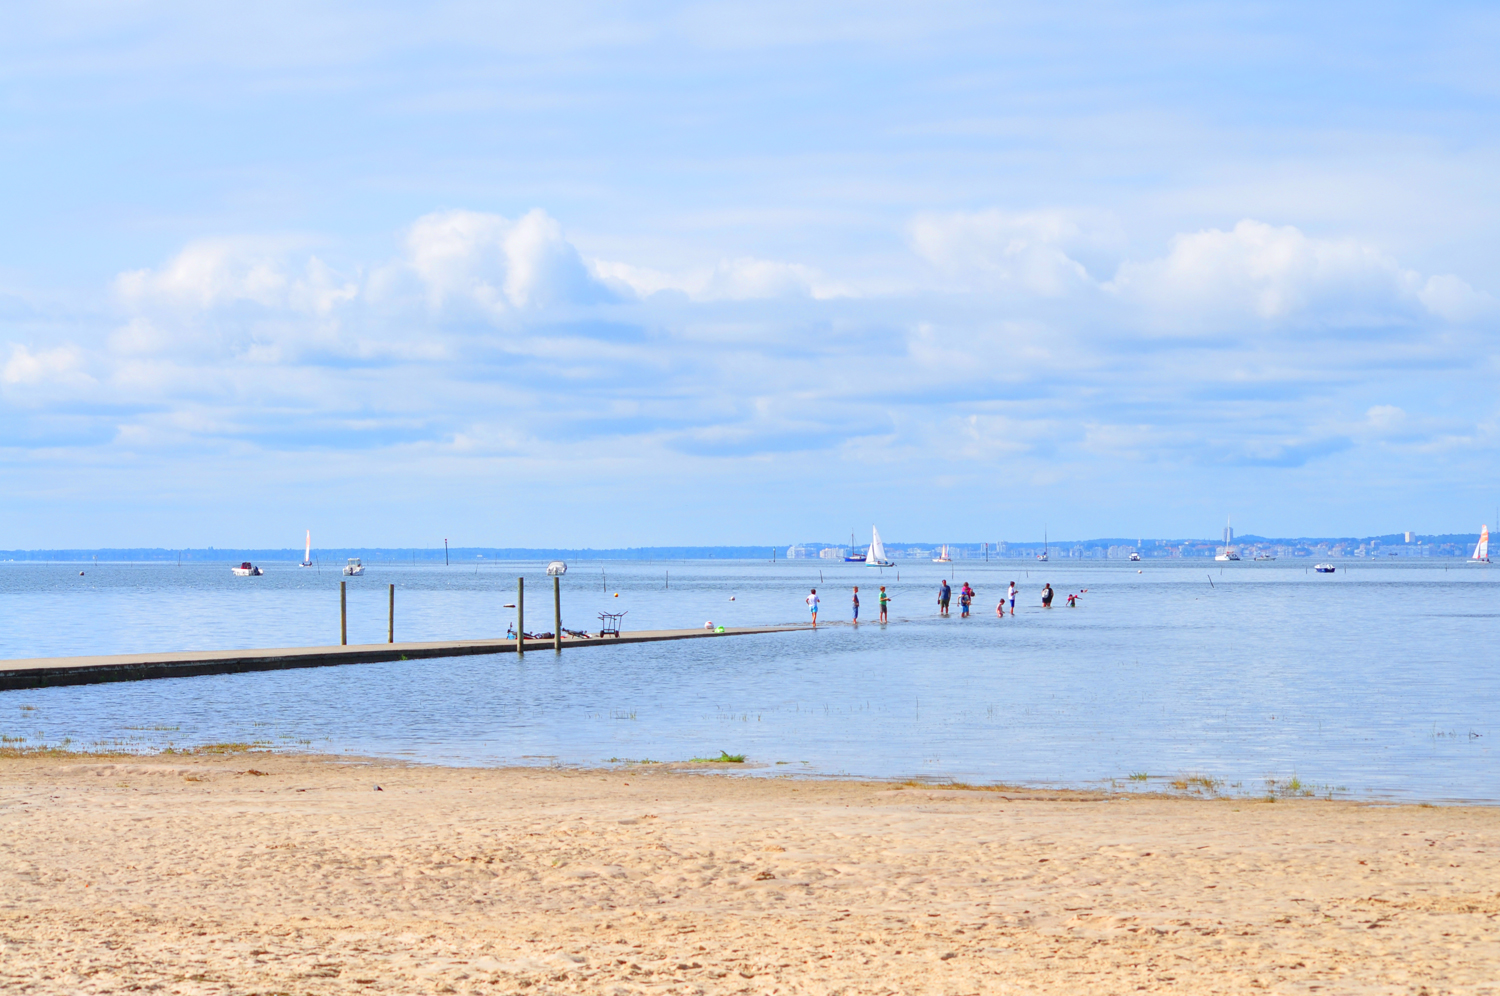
{"points": [[520, 616], [343, 614], [557, 613], [390, 623]]}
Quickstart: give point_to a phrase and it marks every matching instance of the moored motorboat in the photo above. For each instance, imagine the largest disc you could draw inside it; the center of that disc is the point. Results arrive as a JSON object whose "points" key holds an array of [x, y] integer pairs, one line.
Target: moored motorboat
{"points": [[354, 568], [1324, 568], [247, 570]]}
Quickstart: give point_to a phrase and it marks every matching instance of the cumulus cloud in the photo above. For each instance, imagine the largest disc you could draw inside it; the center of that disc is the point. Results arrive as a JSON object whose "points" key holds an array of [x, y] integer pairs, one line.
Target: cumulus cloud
{"points": [[216, 272], [499, 264], [1033, 252], [1453, 299], [1270, 273]]}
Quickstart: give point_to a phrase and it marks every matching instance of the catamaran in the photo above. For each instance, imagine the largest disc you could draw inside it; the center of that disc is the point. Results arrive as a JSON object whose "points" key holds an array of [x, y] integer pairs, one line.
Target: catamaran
{"points": [[876, 556], [1482, 549], [1228, 553], [307, 554], [943, 557]]}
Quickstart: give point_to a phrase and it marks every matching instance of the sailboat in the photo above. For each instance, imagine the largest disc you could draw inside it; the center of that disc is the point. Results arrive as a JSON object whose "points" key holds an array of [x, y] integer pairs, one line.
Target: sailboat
{"points": [[943, 556], [1228, 553], [1482, 548], [1046, 550], [307, 554], [876, 556], [852, 557]]}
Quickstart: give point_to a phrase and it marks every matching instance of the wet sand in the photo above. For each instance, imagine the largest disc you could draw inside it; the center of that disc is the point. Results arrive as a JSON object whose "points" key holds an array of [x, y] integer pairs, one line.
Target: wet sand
{"points": [[251, 873]]}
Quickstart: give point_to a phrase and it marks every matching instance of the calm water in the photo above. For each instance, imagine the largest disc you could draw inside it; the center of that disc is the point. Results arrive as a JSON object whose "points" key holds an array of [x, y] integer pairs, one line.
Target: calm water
{"points": [[1379, 681]]}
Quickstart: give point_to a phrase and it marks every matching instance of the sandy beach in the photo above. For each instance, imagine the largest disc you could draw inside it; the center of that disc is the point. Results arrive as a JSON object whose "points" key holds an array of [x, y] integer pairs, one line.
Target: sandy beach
{"points": [[258, 873]]}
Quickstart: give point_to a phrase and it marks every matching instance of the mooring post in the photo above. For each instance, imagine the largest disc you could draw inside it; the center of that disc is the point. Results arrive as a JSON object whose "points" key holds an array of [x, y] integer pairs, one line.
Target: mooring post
{"points": [[557, 613], [343, 614], [390, 623], [520, 615]]}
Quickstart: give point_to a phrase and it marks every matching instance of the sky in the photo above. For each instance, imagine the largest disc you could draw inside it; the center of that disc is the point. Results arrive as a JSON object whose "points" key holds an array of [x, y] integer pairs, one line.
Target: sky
{"points": [[575, 274]]}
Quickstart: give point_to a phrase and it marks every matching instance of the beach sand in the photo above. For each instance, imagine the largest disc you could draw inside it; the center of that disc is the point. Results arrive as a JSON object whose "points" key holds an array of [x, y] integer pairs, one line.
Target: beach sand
{"points": [[256, 873]]}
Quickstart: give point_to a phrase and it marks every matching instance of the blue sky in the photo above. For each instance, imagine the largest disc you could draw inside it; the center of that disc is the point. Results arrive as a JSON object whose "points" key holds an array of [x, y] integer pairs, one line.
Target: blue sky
{"points": [[735, 273]]}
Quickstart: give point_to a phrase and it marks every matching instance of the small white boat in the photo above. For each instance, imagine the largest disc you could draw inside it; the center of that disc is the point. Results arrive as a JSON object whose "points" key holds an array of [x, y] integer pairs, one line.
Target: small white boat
{"points": [[876, 556], [307, 554], [247, 570], [353, 568], [1272, 556], [943, 557], [1324, 568], [1482, 548], [1045, 555], [1135, 557]]}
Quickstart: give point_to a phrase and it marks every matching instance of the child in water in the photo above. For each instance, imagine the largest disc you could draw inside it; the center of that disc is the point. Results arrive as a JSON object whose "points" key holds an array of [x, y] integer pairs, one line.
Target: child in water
{"points": [[965, 599], [1072, 600]]}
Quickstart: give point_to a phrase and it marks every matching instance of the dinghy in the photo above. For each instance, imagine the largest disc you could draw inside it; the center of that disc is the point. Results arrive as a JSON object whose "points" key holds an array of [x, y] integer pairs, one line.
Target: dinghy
{"points": [[876, 556]]}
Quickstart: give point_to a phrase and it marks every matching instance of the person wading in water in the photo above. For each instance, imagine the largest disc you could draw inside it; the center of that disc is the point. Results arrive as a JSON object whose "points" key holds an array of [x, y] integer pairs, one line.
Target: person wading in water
{"points": [[1047, 596]]}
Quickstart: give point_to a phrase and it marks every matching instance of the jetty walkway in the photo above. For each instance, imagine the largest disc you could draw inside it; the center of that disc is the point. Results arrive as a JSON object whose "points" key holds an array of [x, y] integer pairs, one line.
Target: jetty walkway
{"points": [[40, 672]]}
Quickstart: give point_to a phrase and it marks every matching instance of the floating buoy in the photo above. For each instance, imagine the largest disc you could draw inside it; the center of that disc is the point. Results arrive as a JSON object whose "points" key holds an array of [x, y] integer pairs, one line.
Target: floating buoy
{"points": [[1140, 572], [709, 624], [617, 594], [80, 574], [731, 598]]}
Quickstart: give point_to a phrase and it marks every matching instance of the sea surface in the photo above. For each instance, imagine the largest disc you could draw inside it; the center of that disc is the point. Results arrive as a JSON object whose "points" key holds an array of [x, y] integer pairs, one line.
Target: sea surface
{"points": [[1379, 681]]}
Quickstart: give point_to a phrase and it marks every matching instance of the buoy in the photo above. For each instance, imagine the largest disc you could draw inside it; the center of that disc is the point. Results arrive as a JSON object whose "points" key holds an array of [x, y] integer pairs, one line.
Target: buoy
{"points": [[709, 624], [1140, 572], [731, 598], [617, 594], [80, 574]]}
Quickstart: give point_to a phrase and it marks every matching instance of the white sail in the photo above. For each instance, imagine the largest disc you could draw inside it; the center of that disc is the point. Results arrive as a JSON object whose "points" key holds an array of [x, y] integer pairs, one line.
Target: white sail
{"points": [[876, 556], [1482, 549], [307, 553]]}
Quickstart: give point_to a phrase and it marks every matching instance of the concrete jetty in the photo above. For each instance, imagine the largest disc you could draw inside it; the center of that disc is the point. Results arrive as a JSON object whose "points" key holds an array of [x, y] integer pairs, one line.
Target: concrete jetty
{"points": [[40, 672]]}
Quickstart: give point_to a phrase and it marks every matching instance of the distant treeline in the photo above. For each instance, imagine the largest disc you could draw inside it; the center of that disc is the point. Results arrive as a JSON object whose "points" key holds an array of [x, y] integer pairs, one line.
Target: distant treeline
{"points": [[1440, 544]]}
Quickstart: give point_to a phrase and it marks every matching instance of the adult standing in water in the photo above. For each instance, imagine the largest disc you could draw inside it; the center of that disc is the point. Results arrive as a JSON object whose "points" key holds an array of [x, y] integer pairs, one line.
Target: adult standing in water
{"points": [[944, 594], [856, 605], [885, 601], [1012, 598], [812, 603], [1046, 596]]}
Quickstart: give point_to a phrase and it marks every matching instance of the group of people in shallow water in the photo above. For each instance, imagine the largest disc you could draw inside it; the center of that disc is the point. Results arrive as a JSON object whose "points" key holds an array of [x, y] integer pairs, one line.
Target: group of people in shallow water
{"points": [[966, 596]]}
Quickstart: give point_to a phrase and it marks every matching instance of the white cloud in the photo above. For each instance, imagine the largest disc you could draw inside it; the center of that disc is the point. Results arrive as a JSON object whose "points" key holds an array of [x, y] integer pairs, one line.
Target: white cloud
{"points": [[1452, 298], [498, 264], [1270, 273], [743, 279], [1027, 251], [61, 365]]}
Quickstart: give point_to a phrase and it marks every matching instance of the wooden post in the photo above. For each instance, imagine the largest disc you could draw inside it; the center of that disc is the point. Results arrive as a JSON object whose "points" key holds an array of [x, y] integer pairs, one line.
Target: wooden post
{"points": [[343, 614], [520, 615], [390, 625], [557, 613]]}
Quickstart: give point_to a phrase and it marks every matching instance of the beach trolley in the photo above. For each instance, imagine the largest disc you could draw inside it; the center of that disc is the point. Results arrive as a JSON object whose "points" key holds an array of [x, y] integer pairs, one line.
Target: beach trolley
{"points": [[609, 623]]}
